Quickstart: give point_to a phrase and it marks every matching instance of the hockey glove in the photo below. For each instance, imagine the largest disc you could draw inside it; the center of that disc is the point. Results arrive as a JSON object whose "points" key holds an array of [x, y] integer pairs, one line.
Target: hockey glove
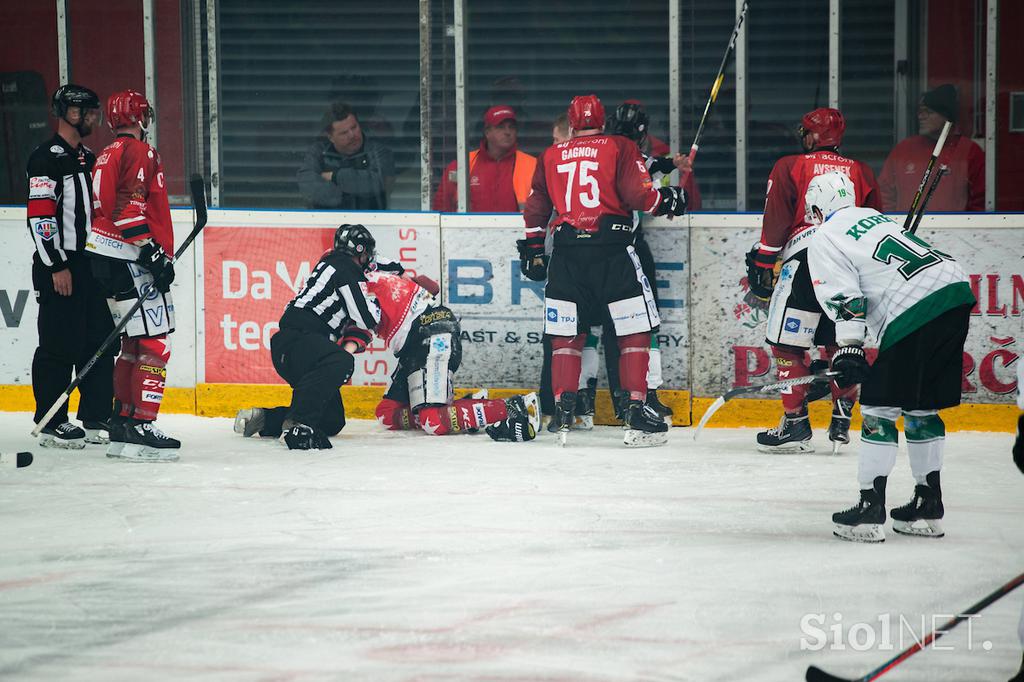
{"points": [[360, 337], [852, 366], [819, 389], [426, 283], [532, 261], [153, 258], [661, 164], [761, 273], [671, 203]]}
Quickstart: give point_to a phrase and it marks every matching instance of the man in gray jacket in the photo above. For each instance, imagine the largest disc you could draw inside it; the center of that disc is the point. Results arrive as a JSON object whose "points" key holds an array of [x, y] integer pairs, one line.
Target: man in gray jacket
{"points": [[344, 169]]}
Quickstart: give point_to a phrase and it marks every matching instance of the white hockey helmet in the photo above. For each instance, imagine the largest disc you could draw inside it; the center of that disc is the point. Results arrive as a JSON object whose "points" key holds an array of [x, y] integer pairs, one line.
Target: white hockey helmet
{"points": [[829, 193]]}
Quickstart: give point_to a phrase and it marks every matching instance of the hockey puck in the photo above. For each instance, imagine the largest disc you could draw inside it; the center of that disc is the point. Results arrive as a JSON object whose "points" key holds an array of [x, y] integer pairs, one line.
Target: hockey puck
{"points": [[16, 459]]}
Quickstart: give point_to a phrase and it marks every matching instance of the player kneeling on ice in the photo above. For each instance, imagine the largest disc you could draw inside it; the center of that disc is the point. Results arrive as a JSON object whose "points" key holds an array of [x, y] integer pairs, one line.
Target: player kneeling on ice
{"points": [[345, 297], [871, 276]]}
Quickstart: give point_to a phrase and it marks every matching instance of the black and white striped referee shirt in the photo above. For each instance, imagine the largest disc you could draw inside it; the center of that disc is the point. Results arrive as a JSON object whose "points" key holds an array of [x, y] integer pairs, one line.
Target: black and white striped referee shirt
{"points": [[59, 200], [333, 298]]}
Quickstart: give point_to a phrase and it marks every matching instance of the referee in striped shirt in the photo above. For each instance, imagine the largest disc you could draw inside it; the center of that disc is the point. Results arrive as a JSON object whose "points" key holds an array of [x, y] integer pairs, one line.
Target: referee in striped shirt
{"points": [[73, 315]]}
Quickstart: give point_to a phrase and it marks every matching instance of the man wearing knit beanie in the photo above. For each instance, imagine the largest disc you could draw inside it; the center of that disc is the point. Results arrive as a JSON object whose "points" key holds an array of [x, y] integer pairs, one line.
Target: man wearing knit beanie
{"points": [[963, 188]]}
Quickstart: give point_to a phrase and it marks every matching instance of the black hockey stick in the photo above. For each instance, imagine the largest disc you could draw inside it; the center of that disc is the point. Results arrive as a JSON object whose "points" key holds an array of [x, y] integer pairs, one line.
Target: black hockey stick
{"points": [[770, 387], [943, 169], [815, 674], [198, 189], [927, 174], [18, 460], [714, 89]]}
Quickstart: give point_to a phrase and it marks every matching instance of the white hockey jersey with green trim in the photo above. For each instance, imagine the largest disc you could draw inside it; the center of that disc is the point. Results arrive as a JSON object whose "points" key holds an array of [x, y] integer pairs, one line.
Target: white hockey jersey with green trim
{"points": [[871, 276]]}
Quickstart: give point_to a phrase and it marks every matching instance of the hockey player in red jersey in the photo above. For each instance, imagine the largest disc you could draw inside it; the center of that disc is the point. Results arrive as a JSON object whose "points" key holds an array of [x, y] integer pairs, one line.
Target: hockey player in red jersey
{"points": [[131, 244], [795, 321], [593, 181], [424, 335]]}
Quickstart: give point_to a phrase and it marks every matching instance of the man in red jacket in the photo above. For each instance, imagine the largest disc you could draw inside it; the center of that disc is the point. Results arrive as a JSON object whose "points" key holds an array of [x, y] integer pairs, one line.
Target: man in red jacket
{"points": [[795, 320], [131, 243], [499, 174], [963, 188]]}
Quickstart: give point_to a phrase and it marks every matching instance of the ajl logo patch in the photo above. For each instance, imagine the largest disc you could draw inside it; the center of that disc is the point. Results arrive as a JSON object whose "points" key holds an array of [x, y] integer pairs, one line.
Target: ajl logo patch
{"points": [[792, 324], [552, 314], [440, 344], [46, 228]]}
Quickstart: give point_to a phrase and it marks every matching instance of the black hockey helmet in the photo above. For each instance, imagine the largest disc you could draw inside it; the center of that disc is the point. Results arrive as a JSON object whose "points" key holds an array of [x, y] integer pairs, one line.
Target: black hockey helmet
{"points": [[630, 120], [72, 95], [355, 240]]}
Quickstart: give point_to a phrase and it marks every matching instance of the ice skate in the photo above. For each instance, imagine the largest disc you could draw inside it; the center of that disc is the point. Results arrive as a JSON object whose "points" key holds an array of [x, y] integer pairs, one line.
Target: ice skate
{"points": [[922, 515], [620, 403], [585, 408], [793, 434], [303, 437], [66, 436], [97, 432], [646, 428], [863, 521], [663, 410], [839, 428], [250, 421], [522, 422], [565, 416], [141, 441]]}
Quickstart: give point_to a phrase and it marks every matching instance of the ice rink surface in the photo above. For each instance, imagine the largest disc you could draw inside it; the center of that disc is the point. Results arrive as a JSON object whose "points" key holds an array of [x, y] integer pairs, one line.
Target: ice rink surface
{"points": [[412, 558]]}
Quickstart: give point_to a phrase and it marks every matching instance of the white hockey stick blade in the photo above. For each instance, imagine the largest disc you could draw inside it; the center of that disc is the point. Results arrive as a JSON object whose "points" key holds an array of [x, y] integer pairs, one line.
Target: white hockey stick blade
{"points": [[715, 406], [15, 460]]}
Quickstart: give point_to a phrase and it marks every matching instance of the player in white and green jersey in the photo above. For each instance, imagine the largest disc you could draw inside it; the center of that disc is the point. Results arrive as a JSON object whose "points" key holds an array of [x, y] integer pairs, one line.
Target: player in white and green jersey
{"points": [[877, 281]]}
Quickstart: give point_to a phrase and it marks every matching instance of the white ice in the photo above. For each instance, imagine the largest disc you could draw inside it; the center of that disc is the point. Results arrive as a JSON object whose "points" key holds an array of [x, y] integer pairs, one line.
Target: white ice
{"points": [[409, 557]]}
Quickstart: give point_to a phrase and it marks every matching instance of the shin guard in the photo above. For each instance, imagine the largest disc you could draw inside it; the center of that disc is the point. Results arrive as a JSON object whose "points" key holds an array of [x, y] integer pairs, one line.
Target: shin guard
{"points": [[395, 416], [791, 364], [149, 373], [123, 369], [633, 363]]}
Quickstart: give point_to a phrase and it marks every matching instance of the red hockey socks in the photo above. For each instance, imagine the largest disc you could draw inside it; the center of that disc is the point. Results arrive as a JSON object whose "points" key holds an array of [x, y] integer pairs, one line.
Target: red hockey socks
{"points": [[566, 362], [791, 364], [123, 366], [149, 373], [633, 363], [462, 415]]}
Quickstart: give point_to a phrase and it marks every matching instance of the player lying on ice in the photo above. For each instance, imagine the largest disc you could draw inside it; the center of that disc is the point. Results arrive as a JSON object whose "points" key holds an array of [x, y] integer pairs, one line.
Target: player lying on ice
{"points": [[346, 297]]}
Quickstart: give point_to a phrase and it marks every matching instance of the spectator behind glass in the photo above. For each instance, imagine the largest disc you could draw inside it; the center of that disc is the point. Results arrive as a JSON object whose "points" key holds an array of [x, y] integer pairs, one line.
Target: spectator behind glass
{"points": [[499, 174], [345, 169], [963, 188], [560, 129]]}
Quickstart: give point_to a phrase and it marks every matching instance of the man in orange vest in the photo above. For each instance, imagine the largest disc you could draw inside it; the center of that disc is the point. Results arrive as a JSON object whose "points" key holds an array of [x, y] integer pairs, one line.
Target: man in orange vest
{"points": [[499, 174]]}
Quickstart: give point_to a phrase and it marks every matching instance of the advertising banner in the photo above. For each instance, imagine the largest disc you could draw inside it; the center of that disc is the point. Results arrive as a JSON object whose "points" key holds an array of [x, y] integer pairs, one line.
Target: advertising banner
{"points": [[729, 347], [252, 272], [502, 312]]}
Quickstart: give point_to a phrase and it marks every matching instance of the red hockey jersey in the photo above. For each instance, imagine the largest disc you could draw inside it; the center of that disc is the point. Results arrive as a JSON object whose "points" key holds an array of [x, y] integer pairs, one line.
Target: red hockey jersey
{"points": [[129, 200], [401, 300], [585, 178], [787, 184]]}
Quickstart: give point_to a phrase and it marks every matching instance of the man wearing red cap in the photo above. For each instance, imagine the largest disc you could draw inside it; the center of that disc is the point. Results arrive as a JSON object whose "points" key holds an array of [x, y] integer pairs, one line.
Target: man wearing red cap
{"points": [[795, 320], [499, 174], [964, 187]]}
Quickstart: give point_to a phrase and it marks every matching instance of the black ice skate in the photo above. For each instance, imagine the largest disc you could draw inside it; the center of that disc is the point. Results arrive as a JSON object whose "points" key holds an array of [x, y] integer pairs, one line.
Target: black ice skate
{"points": [[863, 521], [620, 403], [141, 441], [250, 421], [66, 436], [839, 428], [565, 415], [645, 427], [97, 432], [303, 437], [793, 434], [585, 407], [522, 421], [663, 410], [921, 516]]}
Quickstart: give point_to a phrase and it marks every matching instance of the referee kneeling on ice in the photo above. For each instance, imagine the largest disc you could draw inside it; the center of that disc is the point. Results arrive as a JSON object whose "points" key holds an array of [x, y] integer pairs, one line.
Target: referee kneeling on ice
{"points": [[871, 276]]}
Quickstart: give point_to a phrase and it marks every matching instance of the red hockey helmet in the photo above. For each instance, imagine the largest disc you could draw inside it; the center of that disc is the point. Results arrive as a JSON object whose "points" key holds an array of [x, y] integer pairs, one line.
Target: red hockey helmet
{"points": [[586, 111], [828, 123], [128, 107]]}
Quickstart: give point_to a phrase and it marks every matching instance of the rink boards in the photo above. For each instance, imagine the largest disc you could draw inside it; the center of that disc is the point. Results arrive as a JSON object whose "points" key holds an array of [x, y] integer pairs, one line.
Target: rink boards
{"points": [[231, 288]]}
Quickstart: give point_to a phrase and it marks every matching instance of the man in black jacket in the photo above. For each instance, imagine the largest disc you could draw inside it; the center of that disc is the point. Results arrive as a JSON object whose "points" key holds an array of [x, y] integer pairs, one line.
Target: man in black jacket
{"points": [[344, 169]]}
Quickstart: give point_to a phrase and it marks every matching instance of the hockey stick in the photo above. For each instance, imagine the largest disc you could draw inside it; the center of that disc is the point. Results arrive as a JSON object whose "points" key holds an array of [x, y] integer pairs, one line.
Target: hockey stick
{"points": [[17, 460], [815, 674], [714, 90], [760, 388], [927, 174], [943, 169], [197, 188]]}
